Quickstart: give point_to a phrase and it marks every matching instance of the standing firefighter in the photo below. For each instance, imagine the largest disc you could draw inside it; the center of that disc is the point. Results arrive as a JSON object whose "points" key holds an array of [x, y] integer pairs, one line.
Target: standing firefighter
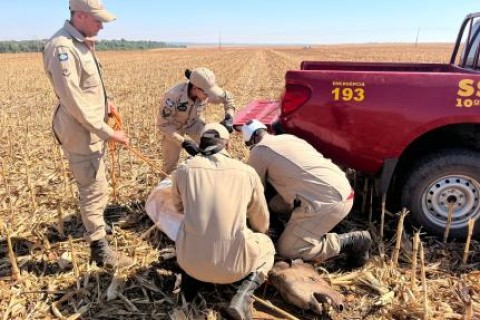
{"points": [[182, 113], [217, 194], [312, 189], [79, 120]]}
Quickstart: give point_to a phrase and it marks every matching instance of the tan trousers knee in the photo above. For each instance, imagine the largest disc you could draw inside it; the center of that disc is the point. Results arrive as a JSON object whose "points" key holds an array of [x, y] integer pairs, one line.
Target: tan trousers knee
{"points": [[266, 255], [90, 175], [305, 235]]}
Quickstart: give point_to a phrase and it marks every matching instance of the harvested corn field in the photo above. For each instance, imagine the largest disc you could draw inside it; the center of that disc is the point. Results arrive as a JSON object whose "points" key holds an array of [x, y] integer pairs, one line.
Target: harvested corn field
{"points": [[46, 273]]}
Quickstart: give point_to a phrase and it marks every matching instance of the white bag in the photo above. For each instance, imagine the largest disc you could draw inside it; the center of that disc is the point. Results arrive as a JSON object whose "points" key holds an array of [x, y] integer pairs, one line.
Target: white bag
{"points": [[160, 209]]}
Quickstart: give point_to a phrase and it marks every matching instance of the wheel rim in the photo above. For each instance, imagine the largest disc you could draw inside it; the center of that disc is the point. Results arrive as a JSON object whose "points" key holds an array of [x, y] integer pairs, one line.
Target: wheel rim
{"points": [[460, 191]]}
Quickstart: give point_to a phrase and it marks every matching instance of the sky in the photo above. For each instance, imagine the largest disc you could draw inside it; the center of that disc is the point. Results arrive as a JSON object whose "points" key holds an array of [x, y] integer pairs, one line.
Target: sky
{"points": [[251, 21]]}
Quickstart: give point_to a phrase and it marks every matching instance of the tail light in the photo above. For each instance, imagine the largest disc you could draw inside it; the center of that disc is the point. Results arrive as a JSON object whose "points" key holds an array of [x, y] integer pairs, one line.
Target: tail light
{"points": [[294, 97]]}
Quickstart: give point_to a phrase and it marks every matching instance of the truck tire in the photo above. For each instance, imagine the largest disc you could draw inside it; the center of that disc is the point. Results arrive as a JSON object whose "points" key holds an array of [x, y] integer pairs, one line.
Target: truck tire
{"points": [[449, 176]]}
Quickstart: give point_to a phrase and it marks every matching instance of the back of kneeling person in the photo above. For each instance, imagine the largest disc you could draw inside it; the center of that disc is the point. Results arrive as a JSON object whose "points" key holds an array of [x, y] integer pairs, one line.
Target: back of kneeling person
{"points": [[217, 194]]}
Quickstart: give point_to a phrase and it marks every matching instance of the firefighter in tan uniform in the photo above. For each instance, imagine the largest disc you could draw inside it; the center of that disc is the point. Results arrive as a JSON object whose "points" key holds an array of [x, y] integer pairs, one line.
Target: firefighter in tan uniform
{"points": [[183, 110], [312, 189], [217, 194], [79, 119]]}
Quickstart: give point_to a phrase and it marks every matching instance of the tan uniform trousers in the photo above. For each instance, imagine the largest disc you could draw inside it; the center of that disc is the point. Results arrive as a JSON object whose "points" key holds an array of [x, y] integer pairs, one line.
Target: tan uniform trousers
{"points": [[90, 175], [266, 255], [172, 150], [305, 235]]}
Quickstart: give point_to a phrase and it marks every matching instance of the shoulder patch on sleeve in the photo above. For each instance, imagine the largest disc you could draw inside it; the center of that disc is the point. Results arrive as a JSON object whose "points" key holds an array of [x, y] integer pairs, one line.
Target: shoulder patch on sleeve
{"points": [[168, 108], [166, 112], [63, 56], [64, 59]]}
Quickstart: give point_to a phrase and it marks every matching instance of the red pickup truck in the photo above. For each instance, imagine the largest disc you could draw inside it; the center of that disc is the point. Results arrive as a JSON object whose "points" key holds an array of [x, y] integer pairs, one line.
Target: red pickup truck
{"points": [[414, 128]]}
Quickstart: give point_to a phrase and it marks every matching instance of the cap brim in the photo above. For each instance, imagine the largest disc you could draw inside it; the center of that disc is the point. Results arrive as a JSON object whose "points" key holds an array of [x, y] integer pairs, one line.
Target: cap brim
{"points": [[216, 127], [215, 92], [104, 16]]}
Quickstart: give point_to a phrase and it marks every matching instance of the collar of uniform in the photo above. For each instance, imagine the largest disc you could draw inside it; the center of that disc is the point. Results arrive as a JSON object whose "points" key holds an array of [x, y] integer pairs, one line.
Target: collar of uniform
{"points": [[222, 152], [73, 32], [225, 153], [185, 97]]}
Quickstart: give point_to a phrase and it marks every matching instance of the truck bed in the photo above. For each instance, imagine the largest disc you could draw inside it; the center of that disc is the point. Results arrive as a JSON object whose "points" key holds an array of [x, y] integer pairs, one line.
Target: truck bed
{"points": [[380, 66], [399, 102]]}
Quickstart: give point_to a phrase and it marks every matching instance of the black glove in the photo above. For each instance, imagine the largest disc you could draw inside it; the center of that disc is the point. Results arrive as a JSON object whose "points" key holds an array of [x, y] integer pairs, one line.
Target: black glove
{"points": [[228, 122], [191, 147]]}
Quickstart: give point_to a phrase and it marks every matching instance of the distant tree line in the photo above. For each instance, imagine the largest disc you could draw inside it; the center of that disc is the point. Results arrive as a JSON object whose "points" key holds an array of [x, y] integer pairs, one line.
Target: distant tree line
{"points": [[103, 45], [133, 45], [21, 46]]}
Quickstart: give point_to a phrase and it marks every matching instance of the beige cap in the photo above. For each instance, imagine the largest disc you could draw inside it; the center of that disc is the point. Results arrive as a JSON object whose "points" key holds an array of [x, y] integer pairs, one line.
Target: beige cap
{"points": [[215, 130], [250, 127], [204, 79], [95, 7]]}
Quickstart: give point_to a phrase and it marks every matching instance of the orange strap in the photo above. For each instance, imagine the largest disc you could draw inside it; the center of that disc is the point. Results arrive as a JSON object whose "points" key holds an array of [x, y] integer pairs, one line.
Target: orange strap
{"points": [[117, 125]]}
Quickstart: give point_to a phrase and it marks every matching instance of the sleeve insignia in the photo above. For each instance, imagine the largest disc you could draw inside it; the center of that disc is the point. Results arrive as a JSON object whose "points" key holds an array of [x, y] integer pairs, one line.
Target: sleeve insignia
{"points": [[63, 56], [166, 112]]}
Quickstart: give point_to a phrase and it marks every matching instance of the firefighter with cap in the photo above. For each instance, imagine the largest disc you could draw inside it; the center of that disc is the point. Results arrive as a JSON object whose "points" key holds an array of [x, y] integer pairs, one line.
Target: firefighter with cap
{"points": [[214, 244], [311, 191], [79, 121], [182, 113]]}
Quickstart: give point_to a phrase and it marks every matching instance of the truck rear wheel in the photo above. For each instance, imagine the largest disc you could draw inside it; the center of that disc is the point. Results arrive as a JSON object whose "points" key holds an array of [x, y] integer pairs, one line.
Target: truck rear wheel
{"points": [[450, 177]]}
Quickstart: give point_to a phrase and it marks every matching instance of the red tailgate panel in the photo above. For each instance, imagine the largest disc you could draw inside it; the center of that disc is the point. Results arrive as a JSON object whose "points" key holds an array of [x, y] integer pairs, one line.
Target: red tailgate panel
{"points": [[266, 111]]}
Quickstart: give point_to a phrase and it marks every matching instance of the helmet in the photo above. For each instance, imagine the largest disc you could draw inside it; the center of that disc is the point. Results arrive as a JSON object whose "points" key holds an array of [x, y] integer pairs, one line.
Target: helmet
{"points": [[250, 127]]}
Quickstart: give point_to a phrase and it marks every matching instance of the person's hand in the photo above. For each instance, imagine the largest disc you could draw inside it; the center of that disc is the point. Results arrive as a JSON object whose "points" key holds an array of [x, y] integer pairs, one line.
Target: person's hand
{"points": [[191, 147], [112, 107], [301, 285], [228, 122], [120, 136]]}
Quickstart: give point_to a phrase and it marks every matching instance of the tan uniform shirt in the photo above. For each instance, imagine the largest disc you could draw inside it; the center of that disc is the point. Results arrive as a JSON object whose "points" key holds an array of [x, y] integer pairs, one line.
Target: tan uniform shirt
{"points": [[179, 113], [293, 167], [217, 194], [74, 72]]}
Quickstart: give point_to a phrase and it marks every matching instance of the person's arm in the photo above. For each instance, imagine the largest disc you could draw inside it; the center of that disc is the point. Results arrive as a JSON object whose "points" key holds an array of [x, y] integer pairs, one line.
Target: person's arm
{"points": [[229, 107], [257, 210], [165, 120], [228, 104], [258, 161], [65, 70], [176, 196]]}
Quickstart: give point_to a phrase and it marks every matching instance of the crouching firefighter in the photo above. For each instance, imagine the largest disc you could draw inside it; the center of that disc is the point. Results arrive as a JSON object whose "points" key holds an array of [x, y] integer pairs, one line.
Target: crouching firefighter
{"points": [[312, 192], [217, 194]]}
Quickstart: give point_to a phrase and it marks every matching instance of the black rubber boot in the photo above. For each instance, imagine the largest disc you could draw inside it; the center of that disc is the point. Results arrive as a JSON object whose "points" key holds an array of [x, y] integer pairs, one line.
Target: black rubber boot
{"points": [[104, 256], [108, 229], [240, 307], [190, 286], [356, 245]]}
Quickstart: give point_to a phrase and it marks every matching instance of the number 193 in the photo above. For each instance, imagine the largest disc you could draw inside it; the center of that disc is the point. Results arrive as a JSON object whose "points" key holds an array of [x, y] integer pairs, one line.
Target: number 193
{"points": [[348, 94]]}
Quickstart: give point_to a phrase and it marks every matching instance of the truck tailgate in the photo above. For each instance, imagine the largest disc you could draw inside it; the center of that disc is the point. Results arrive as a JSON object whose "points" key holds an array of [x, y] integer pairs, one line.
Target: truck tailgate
{"points": [[266, 111]]}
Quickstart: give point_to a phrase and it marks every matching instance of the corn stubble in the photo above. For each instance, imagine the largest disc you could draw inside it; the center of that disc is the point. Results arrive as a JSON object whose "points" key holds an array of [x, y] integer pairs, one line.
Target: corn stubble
{"points": [[44, 274]]}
